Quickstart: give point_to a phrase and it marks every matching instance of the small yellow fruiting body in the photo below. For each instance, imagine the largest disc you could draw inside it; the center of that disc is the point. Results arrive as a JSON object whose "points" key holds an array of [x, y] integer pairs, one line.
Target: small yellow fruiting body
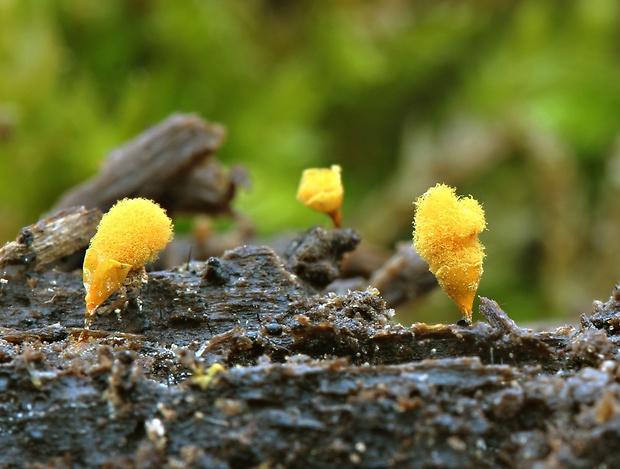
{"points": [[203, 378], [321, 190], [129, 235], [445, 235]]}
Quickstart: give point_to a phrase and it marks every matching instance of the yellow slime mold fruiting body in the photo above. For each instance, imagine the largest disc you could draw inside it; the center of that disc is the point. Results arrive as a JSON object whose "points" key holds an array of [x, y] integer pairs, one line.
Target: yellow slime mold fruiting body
{"points": [[130, 235], [445, 235], [321, 189]]}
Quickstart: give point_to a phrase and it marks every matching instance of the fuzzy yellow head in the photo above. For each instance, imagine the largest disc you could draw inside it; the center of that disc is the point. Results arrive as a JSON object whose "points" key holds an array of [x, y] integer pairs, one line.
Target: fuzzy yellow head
{"points": [[129, 236], [321, 190], [445, 235]]}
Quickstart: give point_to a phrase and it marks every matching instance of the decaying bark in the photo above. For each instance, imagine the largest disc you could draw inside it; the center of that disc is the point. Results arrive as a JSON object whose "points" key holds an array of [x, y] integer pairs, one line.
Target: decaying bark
{"points": [[316, 255], [53, 238], [311, 380], [450, 413], [168, 163]]}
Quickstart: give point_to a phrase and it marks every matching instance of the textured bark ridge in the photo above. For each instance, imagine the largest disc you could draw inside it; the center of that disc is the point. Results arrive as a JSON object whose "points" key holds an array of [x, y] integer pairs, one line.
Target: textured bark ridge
{"points": [[246, 359], [52, 238], [170, 163]]}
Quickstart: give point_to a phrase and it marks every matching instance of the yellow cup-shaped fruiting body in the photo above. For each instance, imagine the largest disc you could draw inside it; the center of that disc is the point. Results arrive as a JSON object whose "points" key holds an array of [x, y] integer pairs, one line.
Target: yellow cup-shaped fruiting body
{"points": [[321, 190], [445, 235], [129, 235]]}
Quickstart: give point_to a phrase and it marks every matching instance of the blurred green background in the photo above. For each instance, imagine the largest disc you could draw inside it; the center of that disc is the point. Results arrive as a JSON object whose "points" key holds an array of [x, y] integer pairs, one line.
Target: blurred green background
{"points": [[516, 103]]}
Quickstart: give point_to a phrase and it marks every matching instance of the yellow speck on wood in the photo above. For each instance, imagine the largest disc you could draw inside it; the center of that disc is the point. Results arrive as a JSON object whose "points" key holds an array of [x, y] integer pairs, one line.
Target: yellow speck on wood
{"points": [[204, 379], [446, 229]]}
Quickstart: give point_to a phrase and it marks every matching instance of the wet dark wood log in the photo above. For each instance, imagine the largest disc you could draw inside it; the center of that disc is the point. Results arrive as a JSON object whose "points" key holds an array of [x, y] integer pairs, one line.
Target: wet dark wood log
{"points": [[309, 380], [452, 413], [245, 304], [140, 398], [243, 361]]}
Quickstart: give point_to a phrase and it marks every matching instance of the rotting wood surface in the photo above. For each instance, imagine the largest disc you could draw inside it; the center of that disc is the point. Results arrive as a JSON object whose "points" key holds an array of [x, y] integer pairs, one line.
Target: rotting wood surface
{"points": [[52, 239], [310, 379], [169, 163]]}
